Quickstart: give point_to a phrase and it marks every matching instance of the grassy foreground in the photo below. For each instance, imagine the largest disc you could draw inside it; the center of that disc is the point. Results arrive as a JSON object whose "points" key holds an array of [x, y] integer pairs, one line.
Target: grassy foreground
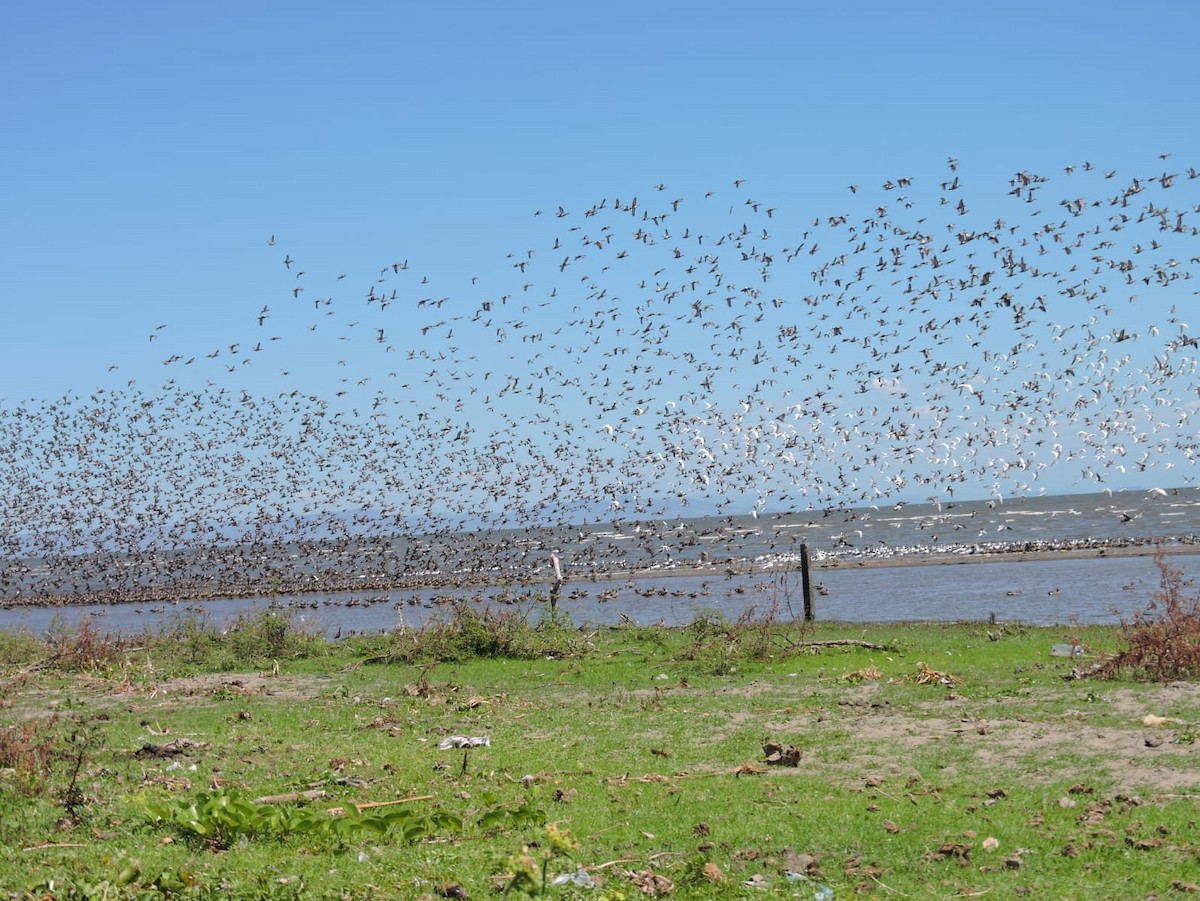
{"points": [[260, 762]]}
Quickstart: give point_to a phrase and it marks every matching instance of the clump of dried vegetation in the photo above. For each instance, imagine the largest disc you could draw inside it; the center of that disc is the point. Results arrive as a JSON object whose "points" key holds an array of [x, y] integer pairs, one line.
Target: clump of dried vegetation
{"points": [[85, 648], [1161, 642]]}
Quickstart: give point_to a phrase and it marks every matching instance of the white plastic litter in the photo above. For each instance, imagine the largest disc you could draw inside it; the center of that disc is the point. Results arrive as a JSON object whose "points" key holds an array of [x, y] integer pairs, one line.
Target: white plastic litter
{"points": [[579, 877], [464, 741], [1066, 650]]}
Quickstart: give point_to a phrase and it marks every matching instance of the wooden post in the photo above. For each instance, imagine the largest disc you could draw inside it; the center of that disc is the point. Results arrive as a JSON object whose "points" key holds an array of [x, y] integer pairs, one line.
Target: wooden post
{"points": [[806, 581], [558, 581]]}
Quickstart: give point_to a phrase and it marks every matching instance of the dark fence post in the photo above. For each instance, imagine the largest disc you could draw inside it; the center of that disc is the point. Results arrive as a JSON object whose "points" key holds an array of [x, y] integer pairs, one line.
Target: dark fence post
{"points": [[806, 581]]}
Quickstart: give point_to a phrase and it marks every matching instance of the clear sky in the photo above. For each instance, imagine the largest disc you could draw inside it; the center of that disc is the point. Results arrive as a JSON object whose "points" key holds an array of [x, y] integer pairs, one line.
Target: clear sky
{"points": [[171, 169]]}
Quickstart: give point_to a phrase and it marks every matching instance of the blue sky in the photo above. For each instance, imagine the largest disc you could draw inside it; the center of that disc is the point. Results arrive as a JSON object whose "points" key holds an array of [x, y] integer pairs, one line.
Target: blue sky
{"points": [[153, 150]]}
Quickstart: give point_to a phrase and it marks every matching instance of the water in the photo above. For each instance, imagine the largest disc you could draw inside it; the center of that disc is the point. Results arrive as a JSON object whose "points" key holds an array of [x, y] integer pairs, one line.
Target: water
{"points": [[1063, 590]]}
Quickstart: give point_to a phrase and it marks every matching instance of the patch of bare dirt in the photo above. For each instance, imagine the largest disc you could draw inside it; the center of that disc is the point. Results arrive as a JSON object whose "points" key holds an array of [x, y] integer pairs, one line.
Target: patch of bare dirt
{"points": [[1138, 759], [1153, 748], [1145, 739], [297, 687]]}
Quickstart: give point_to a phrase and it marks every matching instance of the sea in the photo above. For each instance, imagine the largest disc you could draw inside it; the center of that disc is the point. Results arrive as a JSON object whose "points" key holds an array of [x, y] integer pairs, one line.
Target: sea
{"points": [[676, 570]]}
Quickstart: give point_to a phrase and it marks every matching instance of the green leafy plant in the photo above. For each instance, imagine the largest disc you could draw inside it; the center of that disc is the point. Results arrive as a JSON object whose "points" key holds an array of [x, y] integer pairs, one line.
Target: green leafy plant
{"points": [[496, 816], [219, 818], [215, 818], [84, 889]]}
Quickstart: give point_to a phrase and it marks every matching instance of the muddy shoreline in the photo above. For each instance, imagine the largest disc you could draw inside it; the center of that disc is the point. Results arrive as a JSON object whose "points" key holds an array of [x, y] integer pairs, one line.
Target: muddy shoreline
{"points": [[717, 568]]}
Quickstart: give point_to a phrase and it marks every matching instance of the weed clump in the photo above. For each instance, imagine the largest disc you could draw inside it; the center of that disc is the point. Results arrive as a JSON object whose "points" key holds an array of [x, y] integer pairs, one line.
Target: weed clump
{"points": [[256, 637], [474, 634], [1162, 641], [28, 747], [253, 638], [85, 648], [717, 647], [18, 649]]}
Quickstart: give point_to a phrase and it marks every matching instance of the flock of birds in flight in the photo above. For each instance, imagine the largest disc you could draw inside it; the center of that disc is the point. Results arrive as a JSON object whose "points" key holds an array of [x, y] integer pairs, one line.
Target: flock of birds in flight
{"points": [[642, 354]]}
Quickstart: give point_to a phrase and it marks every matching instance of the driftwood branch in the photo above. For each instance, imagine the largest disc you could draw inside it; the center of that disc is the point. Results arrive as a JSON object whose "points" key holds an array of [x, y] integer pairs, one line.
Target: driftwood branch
{"points": [[290, 797], [317, 794], [746, 769], [369, 805]]}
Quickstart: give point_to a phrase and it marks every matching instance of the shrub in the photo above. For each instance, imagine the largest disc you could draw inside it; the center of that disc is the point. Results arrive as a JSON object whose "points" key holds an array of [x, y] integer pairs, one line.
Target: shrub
{"points": [[473, 633], [253, 638], [1162, 641], [717, 646], [21, 648], [190, 638], [85, 648]]}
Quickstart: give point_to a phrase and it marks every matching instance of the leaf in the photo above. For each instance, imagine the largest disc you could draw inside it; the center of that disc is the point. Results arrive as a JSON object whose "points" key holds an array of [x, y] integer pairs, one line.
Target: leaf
{"points": [[446, 822], [493, 819], [378, 825]]}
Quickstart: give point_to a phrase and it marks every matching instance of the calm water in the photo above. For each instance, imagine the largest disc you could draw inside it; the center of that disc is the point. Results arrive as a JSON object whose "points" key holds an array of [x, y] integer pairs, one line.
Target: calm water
{"points": [[1057, 591]]}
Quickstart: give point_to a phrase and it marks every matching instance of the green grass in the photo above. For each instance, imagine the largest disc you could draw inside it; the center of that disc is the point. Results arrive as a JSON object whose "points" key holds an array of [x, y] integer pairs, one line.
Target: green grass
{"points": [[641, 745]]}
